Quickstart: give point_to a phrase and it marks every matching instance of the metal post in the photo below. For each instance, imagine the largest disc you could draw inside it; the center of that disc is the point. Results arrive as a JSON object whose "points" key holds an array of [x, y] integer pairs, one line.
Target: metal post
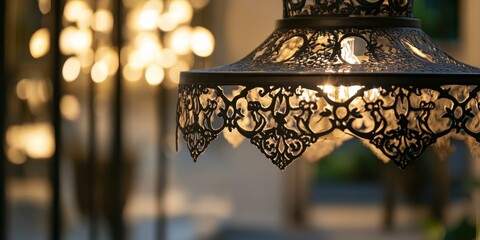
{"points": [[3, 120], [55, 228], [91, 162], [162, 111], [117, 159]]}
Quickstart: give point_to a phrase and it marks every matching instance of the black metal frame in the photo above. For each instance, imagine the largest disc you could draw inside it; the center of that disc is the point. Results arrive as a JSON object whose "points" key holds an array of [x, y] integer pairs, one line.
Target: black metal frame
{"points": [[56, 217], [3, 113]]}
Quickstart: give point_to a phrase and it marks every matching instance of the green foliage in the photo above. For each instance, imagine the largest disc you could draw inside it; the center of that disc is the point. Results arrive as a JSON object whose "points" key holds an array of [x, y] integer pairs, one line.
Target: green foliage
{"points": [[352, 162]]}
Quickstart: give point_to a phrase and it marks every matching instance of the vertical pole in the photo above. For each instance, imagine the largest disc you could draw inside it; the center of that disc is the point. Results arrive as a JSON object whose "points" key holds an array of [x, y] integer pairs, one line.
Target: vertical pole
{"points": [[3, 119], [117, 159], [55, 230], [162, 161], [91, 164]]}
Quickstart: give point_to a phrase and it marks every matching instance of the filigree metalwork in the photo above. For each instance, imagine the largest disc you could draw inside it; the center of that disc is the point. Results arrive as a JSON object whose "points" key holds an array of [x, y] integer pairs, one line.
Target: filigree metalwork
{"points": [[379, 50], [391, 8], [326, 76], [284, 121]]}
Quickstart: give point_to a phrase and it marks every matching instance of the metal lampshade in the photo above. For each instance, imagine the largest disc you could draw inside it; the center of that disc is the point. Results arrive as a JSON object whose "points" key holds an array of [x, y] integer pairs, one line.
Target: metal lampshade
{"points": [[331, 71]]}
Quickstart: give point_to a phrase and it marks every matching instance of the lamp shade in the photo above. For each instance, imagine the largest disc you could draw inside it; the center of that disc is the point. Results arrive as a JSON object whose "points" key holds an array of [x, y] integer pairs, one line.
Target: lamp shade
{"points": [[331, 71]]}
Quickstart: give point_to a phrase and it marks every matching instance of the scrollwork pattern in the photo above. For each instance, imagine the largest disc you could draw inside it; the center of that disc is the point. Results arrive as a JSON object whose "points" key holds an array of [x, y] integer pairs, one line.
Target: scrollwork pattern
{"points": [[393, 8], [283, 121], [385, 50]]}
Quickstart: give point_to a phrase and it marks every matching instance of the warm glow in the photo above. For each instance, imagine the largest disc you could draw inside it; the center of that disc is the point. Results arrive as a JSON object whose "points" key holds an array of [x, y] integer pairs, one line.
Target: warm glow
{"points": [[36, 140], [40, 43], [36, 92], [174, 72], [70, 107], [203, 42], [103, 21], [45, 6], [110, 57], [181, 10], [71, 69], [16, 156], [74, 10], [179, 41], [147, 19], [154, 74], [75, 41], [86, 58], [132, 74], [340, 93], [348, 51], [167, 58], [199, 4], [99, 72], [22, 89], [166, 22], [148, 48]]}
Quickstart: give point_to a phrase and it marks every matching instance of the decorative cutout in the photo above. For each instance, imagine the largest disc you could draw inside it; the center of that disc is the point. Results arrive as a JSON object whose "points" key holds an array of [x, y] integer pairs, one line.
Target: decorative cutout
{"points": [[392, 8], [383, 51], [285, 120]]}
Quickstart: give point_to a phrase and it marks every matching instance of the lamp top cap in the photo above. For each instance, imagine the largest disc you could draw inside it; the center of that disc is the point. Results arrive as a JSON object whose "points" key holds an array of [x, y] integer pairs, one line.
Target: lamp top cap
{"points": [[348, 8]]}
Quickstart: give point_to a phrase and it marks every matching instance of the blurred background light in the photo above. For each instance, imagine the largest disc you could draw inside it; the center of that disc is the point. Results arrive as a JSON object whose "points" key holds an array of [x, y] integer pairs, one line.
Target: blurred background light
{"points": [[70, 107], [40, 43], [71, 69]]}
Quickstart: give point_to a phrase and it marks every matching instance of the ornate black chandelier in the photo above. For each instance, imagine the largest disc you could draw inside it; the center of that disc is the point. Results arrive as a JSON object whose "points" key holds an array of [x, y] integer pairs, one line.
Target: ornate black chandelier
{"points": [[333, 70]]}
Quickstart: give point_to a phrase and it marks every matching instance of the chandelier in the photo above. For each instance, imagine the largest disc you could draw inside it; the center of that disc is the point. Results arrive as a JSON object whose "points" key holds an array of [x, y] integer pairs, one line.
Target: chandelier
{"points": [[331, 71]]}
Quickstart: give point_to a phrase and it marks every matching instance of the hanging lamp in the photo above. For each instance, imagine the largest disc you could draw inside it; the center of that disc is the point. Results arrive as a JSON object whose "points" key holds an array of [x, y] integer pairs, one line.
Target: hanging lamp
{"points": [[333, 70]]}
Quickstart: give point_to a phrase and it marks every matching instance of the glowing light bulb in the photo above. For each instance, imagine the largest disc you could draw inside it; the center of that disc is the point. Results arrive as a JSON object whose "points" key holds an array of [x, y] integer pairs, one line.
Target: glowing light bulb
{"points": [[40, 43], [348, 51]]}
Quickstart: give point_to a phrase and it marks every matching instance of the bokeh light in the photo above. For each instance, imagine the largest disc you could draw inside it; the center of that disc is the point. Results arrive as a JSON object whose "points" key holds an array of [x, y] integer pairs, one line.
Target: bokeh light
{"points": [[179, 40], [154, 74], [36, 140], [99, 72], [202, 42], [70, 107], [102, 21], [71, 69], [40, 43]]}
